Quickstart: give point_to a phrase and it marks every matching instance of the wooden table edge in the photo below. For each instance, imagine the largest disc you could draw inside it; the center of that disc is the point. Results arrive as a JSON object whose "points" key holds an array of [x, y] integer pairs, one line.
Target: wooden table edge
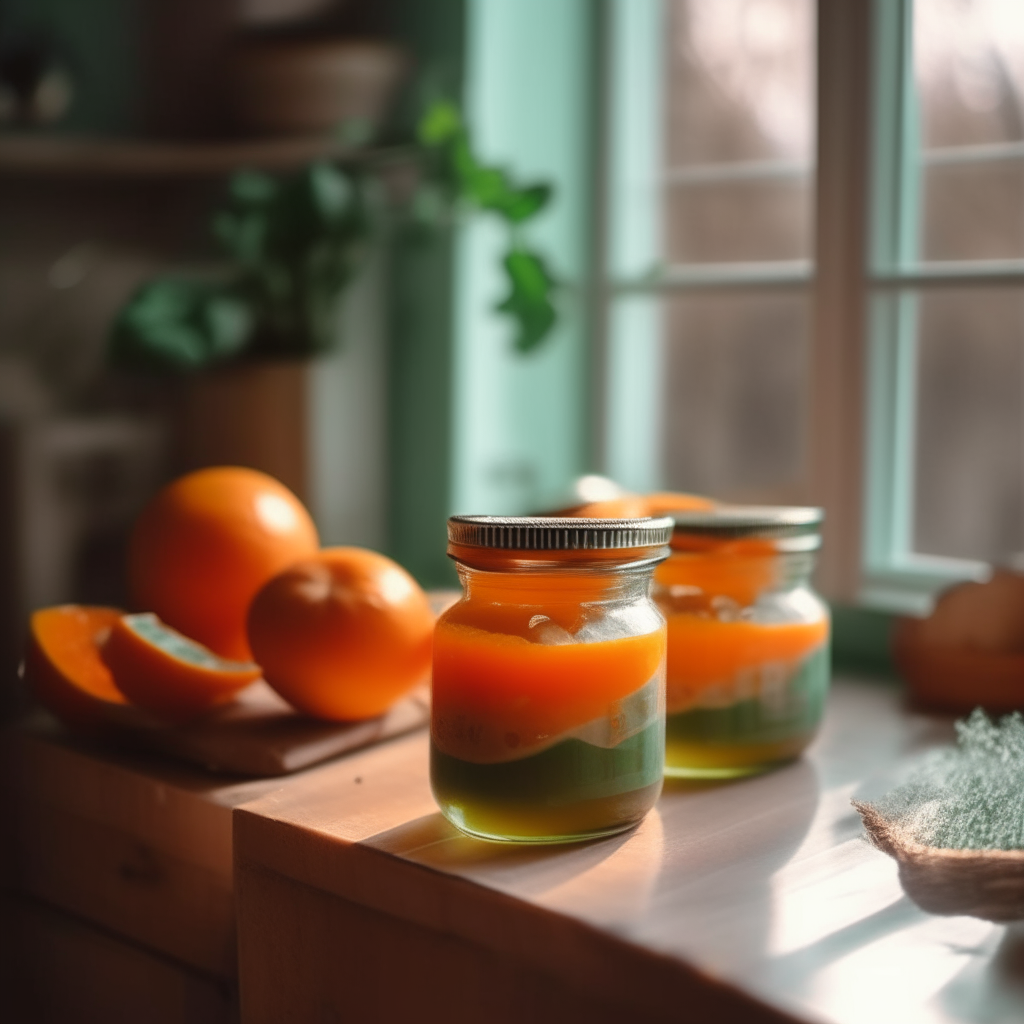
{"points": [[658, 984]]}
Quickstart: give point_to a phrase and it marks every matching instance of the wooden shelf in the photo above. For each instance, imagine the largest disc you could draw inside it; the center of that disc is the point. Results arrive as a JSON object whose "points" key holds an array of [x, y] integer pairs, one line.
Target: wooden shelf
{"points": [[81, 156]]}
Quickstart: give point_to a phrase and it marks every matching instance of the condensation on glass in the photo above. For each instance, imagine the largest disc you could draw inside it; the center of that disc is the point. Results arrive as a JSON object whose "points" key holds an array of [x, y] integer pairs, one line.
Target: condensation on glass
{"points": [[969, 421]]}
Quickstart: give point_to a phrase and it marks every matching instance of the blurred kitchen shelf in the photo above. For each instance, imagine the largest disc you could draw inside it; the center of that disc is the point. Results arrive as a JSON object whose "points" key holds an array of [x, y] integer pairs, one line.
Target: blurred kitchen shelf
{"points": [[82, 156]]}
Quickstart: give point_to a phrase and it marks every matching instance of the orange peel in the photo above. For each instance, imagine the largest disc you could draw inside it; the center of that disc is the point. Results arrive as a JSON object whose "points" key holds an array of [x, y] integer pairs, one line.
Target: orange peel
{"points": [[637, 506], [207, 542], [344, 635], [64, 666], [165, 672]]}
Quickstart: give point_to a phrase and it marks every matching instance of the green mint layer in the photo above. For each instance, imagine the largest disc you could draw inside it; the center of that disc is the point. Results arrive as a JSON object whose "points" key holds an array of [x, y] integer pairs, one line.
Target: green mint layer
{"points": [[567, 773], [793, 710]]}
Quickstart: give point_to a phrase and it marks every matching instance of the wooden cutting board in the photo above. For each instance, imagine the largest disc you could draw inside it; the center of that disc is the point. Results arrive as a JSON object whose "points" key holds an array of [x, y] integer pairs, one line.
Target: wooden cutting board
{"points": [[258, 734]]}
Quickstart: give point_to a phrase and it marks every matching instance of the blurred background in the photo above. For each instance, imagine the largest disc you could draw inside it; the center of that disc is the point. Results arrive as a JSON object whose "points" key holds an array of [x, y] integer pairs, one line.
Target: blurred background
{"points": [[419, 257]]}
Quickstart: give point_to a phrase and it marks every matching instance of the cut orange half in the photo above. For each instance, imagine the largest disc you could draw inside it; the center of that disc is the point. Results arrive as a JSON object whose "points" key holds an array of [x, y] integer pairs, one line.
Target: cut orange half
{"points": [[63, 665], [159, 669]]}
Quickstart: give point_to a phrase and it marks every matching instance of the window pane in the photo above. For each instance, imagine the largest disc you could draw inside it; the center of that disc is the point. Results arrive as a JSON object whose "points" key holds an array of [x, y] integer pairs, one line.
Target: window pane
{"points": [[740, 92], [969, 499], [735, 369], [974, 211], [754, 220], [969, 66]]}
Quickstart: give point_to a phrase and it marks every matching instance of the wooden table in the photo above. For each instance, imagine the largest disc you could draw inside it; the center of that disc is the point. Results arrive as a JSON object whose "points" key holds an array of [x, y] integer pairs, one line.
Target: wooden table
{"points": [[752, 901], [118, 871]]}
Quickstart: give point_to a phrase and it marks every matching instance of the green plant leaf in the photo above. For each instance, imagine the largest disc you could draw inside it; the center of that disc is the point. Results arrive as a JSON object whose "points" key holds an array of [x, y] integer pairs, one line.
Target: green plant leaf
{"points": [[441, 123], [331, 192], [526, 202], [453, 170], [489, 188], [252, 188], [529, 299], [296, 252], [180, 325]]}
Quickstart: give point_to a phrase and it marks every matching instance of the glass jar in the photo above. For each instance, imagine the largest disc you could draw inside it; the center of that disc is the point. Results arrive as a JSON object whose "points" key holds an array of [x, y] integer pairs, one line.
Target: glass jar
{"points": [[548, 696], [748, 639]]}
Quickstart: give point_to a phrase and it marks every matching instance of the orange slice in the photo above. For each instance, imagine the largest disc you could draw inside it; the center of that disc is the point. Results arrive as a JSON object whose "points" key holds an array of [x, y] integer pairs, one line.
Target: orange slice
{"points": [[664, 502], [165, 672], [636, 506], [64, 667]]}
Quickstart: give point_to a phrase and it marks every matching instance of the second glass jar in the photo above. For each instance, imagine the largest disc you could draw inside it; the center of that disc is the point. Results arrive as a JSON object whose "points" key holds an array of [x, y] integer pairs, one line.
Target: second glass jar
{"points": [[748, 639], [548, 693]]}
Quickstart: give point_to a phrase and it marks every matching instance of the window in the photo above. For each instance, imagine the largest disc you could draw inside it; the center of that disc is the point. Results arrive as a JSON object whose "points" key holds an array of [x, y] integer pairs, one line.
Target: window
{"points": [[718, 280], [946, 449], [833, 315]]}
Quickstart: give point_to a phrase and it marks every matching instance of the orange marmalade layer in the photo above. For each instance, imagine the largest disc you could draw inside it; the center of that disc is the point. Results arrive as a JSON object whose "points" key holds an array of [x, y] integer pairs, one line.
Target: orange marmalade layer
{"points": [[497, 696], [738, 569], [706, 654]]}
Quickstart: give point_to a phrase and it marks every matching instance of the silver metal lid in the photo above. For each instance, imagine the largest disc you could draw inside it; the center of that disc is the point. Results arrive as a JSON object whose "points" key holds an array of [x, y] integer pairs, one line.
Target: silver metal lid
{"points": [[544, 533], [764, 522]]}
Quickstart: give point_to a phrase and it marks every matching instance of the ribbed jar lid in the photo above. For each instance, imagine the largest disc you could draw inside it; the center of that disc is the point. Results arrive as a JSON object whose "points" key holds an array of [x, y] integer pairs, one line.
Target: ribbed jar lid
{"points": [[544, 533], [764, 522]]}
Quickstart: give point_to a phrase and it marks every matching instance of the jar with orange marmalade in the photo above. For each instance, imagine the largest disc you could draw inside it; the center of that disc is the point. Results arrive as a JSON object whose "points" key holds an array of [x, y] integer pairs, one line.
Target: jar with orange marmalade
{"points": [[548, 694], [748, 639]]}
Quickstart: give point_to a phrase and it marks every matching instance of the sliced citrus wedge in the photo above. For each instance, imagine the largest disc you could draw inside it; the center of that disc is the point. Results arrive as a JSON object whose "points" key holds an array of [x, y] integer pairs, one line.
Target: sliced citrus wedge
{"points": [[663, 502], [64, 667], [159, 669], [637, 506]]}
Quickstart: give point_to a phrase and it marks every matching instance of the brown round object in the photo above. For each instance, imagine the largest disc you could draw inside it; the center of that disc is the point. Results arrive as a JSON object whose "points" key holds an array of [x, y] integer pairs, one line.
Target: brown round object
{"points": [[985, 616], [286, 86], [945, 677]]}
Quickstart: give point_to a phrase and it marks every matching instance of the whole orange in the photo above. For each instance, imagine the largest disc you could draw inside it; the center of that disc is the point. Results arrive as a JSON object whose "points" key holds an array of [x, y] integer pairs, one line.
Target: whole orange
{"points": [[205, 545], [342, 635]]}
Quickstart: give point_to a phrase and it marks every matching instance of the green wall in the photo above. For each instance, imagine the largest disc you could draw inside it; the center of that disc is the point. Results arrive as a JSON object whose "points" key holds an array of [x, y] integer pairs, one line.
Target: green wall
{"points": [[477, 428]]}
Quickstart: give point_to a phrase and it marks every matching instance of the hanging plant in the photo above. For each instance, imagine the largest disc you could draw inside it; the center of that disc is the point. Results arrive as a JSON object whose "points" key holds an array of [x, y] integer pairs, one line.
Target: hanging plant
{"points": [[454, 171], [294, 243]]}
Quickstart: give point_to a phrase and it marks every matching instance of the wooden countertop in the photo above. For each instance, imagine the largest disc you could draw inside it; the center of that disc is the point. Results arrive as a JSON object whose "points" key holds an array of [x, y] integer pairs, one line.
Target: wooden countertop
{"points": [[753, 900], [136, 844]]}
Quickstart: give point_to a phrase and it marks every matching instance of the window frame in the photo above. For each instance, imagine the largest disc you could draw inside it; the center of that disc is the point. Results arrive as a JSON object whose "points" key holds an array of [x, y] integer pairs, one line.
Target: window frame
{"points": [[863, 280], [896, 577]]}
